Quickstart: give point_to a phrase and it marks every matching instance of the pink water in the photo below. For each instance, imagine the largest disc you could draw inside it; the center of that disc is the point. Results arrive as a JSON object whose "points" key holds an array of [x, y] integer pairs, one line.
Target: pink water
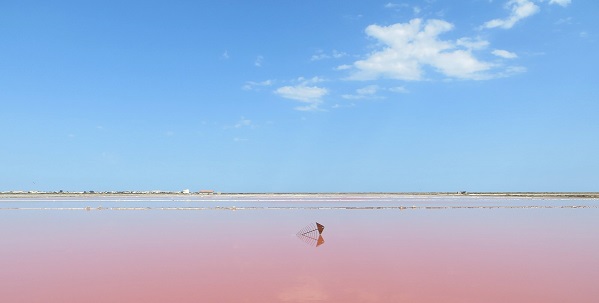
{"points": [[452, 255]]}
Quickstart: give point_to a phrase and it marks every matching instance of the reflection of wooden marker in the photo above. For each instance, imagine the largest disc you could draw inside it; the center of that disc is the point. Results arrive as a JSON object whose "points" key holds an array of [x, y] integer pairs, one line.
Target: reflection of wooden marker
{"points": [[320, 241]]}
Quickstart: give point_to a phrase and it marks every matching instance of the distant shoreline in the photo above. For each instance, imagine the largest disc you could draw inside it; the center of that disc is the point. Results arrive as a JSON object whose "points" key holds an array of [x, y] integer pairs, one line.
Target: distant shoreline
{"points": [[579, 195]]}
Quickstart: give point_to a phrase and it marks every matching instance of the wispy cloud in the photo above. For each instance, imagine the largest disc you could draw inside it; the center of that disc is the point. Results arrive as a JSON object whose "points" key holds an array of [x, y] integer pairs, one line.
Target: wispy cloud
{"points": [[367, 92], [353, 17], [321, 55], [504, 54], [399, 89], [408, 47], [563, 3], [243, 122], [401, 6], [510, 71], [312, 80], [338, 106], [564, 21], [225, 55], [372, 92], [519, 9], [472, 43], [310, 96], [343, 67], [252, 85], [393, 5]]}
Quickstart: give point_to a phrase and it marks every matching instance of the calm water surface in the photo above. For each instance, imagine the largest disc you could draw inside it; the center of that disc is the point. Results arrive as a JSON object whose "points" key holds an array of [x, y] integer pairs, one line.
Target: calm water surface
{"points": [[182, 250]]}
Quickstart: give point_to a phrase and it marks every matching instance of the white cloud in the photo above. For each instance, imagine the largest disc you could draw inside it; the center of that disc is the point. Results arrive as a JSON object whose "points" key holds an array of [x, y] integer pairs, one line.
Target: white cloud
{"points": [[399, 89], [321, 55], [337, 105], [563, 3], [520, 9], [371, 92], [396, 5], [409, 47], [504, 54], [473, 44], [564, 21], [251, 85], [400, 6], [311, 96], [225, 55], [243, 122], [367, 92], [337, 54], [509, 71], [343, 67], [312, 80]]}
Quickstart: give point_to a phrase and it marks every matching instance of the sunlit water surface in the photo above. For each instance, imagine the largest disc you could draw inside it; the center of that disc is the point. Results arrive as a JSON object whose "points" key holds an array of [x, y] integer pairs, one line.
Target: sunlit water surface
{"points": [[245, 249]]}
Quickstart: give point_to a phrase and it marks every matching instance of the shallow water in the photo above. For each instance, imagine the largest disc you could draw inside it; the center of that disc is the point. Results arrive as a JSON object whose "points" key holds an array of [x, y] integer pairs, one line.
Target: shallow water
{"points": [[207, 251]]}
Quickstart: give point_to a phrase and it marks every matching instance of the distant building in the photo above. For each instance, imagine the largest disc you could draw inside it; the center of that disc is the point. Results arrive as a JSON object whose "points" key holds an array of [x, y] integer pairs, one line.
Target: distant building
{"points": [[185, 191], [206, 191]]}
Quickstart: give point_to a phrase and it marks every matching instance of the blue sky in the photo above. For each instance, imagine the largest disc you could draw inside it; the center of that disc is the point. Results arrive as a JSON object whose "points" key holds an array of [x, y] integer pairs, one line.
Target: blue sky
{"points": [[299, 96]]}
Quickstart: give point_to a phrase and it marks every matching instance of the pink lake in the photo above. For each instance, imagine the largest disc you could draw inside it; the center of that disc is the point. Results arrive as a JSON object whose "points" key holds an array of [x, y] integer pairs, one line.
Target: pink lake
{"points": [[204, 250]]}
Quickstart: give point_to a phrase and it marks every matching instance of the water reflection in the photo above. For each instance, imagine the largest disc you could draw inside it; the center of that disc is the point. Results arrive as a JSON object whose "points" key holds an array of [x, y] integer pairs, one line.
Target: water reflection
{"points": [[312, 234]]}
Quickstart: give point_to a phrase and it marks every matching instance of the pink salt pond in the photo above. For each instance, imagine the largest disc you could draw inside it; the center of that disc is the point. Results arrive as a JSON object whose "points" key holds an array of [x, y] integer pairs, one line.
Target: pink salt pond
{"points": [[373, 250]]}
